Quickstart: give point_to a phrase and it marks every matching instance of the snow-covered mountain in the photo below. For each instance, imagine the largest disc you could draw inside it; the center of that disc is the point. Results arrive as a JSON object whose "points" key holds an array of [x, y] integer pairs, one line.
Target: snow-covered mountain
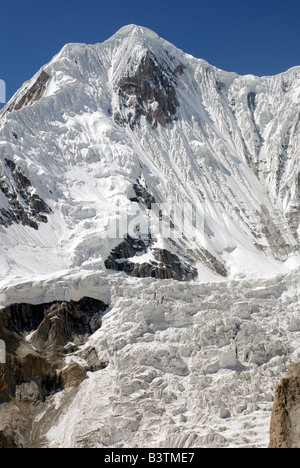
{"points": [[124, 166], [102, 127]]}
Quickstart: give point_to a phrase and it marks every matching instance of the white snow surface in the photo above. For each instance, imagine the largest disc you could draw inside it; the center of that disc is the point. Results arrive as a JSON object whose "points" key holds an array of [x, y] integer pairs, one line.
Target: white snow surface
{"points": [[190, 364]]}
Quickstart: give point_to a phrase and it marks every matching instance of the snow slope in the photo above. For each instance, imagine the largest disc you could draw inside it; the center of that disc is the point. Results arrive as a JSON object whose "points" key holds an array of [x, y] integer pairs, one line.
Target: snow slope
{"points": [[83, 131]]}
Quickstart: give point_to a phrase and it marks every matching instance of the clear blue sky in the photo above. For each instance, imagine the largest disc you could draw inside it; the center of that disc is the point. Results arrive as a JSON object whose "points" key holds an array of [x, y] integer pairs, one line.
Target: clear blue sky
{"points": [[258, 37]]}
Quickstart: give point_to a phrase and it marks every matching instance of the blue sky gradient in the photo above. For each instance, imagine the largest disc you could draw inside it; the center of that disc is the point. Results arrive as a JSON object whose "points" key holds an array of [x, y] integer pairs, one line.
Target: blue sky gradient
{"points": [[257, 37]]}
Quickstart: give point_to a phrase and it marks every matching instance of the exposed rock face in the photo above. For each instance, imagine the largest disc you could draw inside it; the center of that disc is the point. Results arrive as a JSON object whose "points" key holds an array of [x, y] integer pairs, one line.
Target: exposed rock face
{"points": [[14, 425], [38, 338], [166, 265], [276, 238], [24, 206], [143, 196], [72, 375], [285, 420], [126, 249], [150, 92], [33, 94], [208, 260], [67, 323], [169, 266]]}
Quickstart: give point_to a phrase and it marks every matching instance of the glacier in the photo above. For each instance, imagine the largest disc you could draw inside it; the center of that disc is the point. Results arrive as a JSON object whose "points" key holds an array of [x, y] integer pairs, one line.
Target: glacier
{"points": [[202, 324]]}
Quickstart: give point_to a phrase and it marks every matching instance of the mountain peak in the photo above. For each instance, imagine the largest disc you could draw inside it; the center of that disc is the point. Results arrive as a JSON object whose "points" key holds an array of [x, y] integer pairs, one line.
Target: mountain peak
{"points": [[131, 43], [133, 29]]}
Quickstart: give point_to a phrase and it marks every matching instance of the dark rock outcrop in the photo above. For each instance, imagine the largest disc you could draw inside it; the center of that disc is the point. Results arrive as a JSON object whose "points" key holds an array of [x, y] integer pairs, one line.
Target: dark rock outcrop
{"points": [[32, 95], [38, 338], [275, 236], [208, 260], [128, 248], [171, 267], [15, 423], [67, 325], [150, 92], [24, 205], [285, 421], [72, 375], [165, 266], [143, 196]]}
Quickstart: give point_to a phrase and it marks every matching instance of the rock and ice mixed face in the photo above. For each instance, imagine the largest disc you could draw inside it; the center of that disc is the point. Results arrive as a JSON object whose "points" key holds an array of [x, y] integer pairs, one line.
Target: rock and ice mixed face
{"points": [[106, 130]]}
